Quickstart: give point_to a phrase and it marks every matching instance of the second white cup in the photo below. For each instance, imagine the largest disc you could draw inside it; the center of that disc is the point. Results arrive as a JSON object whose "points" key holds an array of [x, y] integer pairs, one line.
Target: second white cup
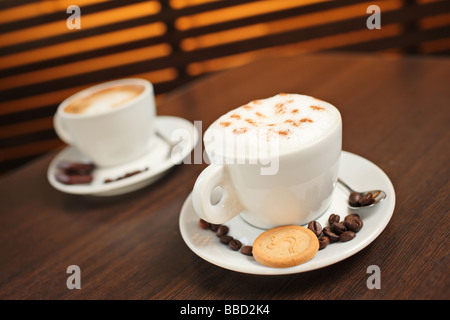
{"points": [[111, 123]]}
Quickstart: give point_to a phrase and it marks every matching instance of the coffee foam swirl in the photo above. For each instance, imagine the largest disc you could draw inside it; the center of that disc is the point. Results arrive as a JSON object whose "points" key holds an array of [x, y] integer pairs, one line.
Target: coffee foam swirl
{"points": [[104, 99], [289, 120]]}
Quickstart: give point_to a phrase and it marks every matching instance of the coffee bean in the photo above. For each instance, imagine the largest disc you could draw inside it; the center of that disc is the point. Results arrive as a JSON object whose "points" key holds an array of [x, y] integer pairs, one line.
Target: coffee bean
{"points": [[75, 167], [315, 227], [354, 199], [366, 199], [223, 230], [323, 242], [235, 244], [330, 234], [74, 179], [204, 224], [353, 223], [225, 239], [126, 175], [338, 227], [337, 231], [351, 216], [346, 236], [214, 227], [333, 218], [247, 250]]}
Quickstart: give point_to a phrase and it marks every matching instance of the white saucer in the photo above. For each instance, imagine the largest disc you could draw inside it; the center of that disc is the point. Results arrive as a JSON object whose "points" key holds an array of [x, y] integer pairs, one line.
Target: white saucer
{"points": [[358, 172], [158, 161]]}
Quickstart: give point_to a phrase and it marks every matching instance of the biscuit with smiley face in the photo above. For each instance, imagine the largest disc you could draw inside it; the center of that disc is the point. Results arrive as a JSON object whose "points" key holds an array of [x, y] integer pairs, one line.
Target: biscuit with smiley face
{"points": [[285, 246]]}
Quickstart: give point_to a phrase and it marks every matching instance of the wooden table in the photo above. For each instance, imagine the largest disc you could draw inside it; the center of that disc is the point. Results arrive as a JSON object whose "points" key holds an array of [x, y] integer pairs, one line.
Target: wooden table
{"points": [[396, 114]]}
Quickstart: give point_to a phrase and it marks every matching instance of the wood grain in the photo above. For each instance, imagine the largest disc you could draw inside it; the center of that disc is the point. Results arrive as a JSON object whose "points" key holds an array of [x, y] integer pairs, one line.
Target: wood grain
{"points": [[395, 113]]}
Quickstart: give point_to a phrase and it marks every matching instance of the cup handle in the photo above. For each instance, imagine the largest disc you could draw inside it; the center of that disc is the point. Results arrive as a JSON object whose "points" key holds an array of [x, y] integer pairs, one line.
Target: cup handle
{"points": [[61, 131], [228, 206]]}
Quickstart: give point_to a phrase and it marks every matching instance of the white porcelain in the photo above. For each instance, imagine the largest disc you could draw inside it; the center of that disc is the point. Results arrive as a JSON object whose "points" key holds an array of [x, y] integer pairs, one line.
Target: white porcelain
{"points": [[113, 137], [358, 171], [158, 160], [299, 191]]}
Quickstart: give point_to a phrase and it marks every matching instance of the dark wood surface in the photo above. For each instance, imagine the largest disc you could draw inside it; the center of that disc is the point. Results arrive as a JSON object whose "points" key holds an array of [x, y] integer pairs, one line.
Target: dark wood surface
{"points": [[396, 114]]}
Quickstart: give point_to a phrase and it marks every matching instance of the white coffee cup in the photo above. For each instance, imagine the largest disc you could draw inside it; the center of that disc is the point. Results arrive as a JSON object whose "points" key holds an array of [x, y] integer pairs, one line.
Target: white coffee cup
{"points": [[306, 157], [111, 123]]}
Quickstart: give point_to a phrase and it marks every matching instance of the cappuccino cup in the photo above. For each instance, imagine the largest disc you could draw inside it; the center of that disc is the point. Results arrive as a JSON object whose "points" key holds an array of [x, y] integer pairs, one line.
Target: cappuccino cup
{"points": [[274, 162], [111, 123]]}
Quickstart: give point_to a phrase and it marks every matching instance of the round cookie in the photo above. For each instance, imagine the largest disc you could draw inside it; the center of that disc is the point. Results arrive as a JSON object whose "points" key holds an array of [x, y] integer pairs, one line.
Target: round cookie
{"points": [[285, 246]]}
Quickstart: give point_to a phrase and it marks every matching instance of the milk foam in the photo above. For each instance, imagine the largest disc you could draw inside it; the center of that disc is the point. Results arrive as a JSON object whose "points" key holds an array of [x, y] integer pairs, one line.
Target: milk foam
{"points": [[284, 121], [109, 99], [104, 100]]}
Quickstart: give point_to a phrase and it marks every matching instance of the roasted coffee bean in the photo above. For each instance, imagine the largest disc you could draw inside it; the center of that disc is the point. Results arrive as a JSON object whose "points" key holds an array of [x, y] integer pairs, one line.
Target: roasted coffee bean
{"points": [[247, 250], [223, 230], [366, 199], [74, 179], [353, 223], [323, 242], [76, 167], [346, 236], [354, 199], [338, 227], [126, 175], [214, 227], [225, 239], [351, 216], [330, 234], [315, 227], [204, 224], [235, 244], [333, 218]]}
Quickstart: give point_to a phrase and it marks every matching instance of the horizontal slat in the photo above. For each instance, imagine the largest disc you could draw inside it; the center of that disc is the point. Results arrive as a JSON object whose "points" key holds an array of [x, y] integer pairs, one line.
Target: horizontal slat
{"points": [[181, 59], [83, 55], [39, 105], [402, 40], [40, 8], [5, 4], [62, 15], [29, 149], [24, 127], [203, 7], [440, 46], [311, 45], [28, 138], [92, 25], [294, 9], [76, 57], [319, 31], [132, 45], [78, 50], [88, 65], [287, 23]]}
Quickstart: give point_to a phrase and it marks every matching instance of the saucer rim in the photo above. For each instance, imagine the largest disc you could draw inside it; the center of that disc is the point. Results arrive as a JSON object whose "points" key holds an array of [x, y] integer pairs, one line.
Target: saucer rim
{"points": [[106, 189], [310, 265]]}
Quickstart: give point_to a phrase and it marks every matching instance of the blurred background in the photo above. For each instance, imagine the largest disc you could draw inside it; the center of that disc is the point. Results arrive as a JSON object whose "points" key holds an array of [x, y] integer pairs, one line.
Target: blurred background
{"points": [[172, 42]]}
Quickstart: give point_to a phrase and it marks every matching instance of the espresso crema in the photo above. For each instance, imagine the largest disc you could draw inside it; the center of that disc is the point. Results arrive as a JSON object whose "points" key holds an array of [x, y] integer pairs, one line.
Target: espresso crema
{"points": [[104, 99], [287, 121]]}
